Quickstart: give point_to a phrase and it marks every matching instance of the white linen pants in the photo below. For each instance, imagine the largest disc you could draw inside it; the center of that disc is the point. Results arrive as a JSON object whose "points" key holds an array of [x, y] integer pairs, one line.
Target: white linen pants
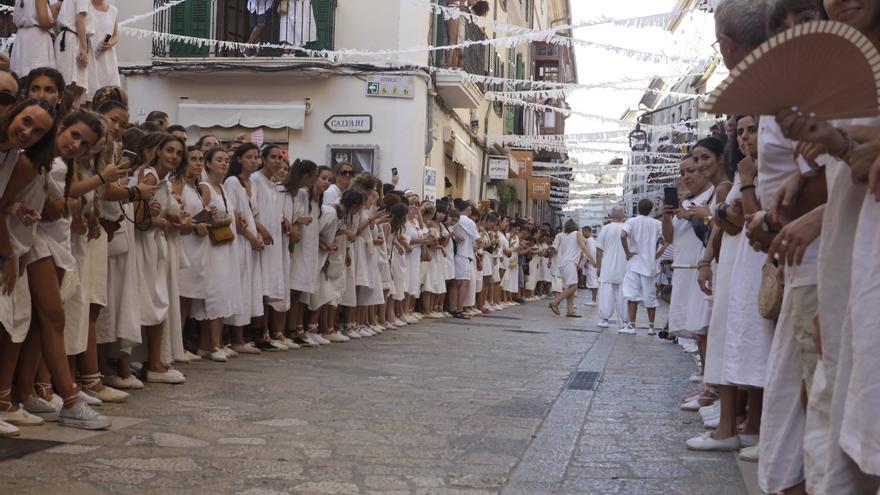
{"points": [[610, 300]]}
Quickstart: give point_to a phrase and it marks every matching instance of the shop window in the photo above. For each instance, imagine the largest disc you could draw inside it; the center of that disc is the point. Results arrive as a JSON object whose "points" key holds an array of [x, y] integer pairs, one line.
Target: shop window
{"points": [[364, 158]]}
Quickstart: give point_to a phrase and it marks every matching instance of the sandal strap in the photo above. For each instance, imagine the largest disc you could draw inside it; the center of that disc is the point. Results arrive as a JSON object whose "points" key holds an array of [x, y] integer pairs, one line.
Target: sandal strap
{"points": [[6, 404]]}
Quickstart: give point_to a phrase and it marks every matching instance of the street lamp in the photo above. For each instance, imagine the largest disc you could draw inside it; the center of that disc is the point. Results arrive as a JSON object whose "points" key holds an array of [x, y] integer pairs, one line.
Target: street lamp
{"points": [[638, 139]]}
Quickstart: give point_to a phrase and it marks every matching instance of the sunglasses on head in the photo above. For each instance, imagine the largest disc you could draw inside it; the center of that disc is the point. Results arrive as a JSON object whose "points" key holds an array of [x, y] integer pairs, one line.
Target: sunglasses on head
{"points": [[346, 173], [7, 98]]}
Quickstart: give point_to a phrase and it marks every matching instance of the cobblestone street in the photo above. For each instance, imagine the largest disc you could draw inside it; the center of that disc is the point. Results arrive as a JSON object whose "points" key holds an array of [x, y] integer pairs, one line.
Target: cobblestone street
{"points": [[486, 406]]}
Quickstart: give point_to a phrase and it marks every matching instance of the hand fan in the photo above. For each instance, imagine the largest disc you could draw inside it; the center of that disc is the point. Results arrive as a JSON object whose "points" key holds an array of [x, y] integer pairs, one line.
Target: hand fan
{"points": [[824, 67]]}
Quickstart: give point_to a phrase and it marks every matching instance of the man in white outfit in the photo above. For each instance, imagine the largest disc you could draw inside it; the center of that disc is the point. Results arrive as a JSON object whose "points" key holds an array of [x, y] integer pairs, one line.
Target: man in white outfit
{"points": [[568, 249], [640, 238], [611, 261], [465, 234]]}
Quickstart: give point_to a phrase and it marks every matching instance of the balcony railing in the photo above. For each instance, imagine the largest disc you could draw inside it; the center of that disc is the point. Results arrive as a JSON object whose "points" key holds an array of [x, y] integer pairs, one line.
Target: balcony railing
{"points": [[473, 59], [306, 24]]}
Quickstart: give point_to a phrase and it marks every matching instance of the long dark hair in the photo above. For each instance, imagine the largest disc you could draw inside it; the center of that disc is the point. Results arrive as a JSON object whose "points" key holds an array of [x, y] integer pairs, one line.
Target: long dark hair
{"points": [[267, 150], [235, 160], [320, 198], [298, 170], [734, 154], [150, 140], [209, 156], [717, 148], [352, 199], [51, 73], [94, 122], [42, 152], [397, 215], [168, 138]]}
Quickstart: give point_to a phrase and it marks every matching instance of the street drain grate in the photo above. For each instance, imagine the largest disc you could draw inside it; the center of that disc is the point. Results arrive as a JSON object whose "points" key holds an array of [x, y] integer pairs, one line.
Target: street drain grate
{"points": [[583, 380], [525, 331], [11, 449]]}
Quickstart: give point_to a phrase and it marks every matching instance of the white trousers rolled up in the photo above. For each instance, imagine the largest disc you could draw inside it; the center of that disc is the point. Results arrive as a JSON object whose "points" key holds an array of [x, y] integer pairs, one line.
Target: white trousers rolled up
{"points": [[610, 301]]}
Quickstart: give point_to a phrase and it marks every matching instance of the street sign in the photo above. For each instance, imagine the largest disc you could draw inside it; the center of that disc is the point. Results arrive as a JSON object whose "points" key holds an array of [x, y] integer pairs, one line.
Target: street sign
{"points": [[349, 124], [499, 167], [390, 86]]}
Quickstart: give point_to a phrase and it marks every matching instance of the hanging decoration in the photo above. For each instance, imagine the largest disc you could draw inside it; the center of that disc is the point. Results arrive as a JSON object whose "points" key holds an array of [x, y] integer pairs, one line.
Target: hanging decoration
{"points": [[150, 14]]}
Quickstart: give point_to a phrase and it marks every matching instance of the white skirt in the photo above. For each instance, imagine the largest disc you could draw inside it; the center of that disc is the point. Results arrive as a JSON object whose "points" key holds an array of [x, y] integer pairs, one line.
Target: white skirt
{"points": [[15, 310], [33, 48], [65, 61]]}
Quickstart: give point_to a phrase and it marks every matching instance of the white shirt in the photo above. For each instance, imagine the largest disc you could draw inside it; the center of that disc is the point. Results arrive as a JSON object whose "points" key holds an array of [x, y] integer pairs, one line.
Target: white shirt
{"points": [[643, 232], [69, 10], [775, 165], [569, 250], [467, 230], [332, 195], [613, 267]]}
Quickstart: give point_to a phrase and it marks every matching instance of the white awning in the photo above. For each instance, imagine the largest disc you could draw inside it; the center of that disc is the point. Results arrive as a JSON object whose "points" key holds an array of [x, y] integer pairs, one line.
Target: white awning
{"points": [[249, 114], [464, 155]]}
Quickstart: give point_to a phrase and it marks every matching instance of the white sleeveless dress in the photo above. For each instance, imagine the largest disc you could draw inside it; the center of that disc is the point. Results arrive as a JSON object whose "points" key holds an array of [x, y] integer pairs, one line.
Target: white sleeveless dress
{"points": [[324, 292], [414, 267], [33, 46], [222, 290], [251, 284], [689, 308], [303, 270], [76, 307], [103, 68], [272, 256], [192, 278], [67, 47], [348, 296], [120, 320], [399, 270], [152, 260]]}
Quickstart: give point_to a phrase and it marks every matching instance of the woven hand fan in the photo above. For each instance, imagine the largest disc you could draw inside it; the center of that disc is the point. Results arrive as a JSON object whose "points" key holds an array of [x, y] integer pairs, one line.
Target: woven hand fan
{"points": [[824, 67]]}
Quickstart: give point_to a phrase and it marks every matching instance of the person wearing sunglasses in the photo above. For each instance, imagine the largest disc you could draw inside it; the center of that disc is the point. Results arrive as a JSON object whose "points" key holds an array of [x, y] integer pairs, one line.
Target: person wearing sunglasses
{"points": [[8, 90], [343, 171]]}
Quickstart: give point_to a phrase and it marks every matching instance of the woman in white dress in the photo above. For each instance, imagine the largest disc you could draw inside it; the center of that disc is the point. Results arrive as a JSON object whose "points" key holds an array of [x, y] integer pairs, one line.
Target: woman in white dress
{"points": [[488, 261], [297, 25], [195, 242], [33, 46], [75, 26], [326, 234], [399, 260], [103, 67], [274, 259], [510, 281], [304, 234], [249, 243], [434, 281], [49, 263], [502, 261], [368, 278], [417, 235], [222, 287], [154, 220], [21, 183], [447, 255], [688, 309], [335, 267]]}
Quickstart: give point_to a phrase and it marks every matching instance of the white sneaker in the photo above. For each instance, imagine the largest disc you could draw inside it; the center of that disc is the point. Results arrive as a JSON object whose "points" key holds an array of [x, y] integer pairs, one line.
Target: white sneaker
{"points": [[652, 330], [692, 405], [278, 346], [711, 423], [749, 454], [591, 303], [84, 417], [411, 319], [706, 442], [246, 348], [130, 383], [172, 377], [109, 394], [711, 410], [321, 339], [193, 358], [20, 417], [365, 332], [89, 400], [602, 324], [744, 440], [8, 430], [399, 323], [696, 378], [377, 329], [353, 334], [627, 330], [290, 344], [418, 316], [230, 353], [447, 314], [337, 338], [389, 326], [40, 407]]}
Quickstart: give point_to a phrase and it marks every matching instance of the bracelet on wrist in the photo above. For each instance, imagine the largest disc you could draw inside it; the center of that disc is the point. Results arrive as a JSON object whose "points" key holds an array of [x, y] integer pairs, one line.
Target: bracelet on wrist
{"points": [[848, 141], [747, 186], [102, 178]]}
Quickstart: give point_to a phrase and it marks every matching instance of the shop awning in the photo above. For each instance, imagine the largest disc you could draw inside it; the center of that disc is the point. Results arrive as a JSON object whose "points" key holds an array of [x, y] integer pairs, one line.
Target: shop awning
{"points": [[465, 156], [249, 114]]}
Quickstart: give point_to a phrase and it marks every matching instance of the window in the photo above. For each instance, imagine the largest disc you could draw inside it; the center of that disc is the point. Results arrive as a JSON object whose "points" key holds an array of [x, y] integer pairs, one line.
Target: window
{"points": [[364, 158]]}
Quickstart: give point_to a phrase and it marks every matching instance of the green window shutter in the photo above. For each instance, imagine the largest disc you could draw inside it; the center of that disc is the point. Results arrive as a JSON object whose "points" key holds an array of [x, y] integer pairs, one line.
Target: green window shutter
{"points": [[192, 18], [324, 11], [510, 110]]}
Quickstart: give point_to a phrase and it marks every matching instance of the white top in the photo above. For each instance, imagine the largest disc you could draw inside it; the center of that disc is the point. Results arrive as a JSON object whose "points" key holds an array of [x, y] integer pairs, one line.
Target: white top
{"points": [[775, 165], [467, 231], [25, 13], [568, 249], [69, 10], [259, 7], [643, 232], [613, 267], [332, 195]]}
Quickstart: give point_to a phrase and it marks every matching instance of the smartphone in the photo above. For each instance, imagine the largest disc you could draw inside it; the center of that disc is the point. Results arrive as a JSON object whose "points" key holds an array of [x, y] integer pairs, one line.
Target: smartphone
{"points": [[670, 196], [128, 155], [393, 171]]}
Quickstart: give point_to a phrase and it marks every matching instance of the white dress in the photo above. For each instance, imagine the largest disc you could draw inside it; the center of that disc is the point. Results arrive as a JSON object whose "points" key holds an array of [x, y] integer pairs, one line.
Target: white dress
{"points": [[370, 294], [103, 67], [76, 307], [272, 256], [53, 238], [221, 294], [285, 204], [399, 270], [251, 302], [67, 47], [348, 297], [749, 335], [689, 308], [532, 277], [485, 256], [303, 269], [298, 26], [33, 46], [382, 258], [413, 286], [324, 293], [510, 281], [434, 280], [172, 346], [447, 255], [152, 261], [15, 308], [192, 278], [119, 321]]}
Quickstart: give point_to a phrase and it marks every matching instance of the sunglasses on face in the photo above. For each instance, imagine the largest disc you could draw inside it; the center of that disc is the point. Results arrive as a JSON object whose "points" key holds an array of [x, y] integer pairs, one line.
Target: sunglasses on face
{"points": [[7, 98], [346, 173]]}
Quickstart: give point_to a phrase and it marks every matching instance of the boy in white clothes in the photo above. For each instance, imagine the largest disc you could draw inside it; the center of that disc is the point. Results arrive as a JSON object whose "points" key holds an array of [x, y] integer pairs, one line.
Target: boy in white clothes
{"points": [[640, 238], [611, 260], [465, 233]]}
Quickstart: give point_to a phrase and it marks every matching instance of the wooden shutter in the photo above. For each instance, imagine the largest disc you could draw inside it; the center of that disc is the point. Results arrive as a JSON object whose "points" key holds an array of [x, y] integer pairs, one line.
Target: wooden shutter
{"points": [[324, 19], [510, 110], [191, 18]]}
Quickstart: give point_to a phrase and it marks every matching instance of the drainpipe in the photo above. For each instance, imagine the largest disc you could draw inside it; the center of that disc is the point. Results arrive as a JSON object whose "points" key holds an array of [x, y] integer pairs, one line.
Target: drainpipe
{"points": [[429, 111], [484, 184]]}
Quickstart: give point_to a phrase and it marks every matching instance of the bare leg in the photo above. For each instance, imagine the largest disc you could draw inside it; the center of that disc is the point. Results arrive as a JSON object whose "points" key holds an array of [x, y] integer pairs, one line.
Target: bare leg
{"points": [[632, 307], [753, 415], [727, 422], [652, 312], [87, 362], [9, 352]]}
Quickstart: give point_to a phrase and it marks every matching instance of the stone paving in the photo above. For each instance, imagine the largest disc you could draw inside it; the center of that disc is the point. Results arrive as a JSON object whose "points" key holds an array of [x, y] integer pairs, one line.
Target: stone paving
{"points": [[445, 407]]}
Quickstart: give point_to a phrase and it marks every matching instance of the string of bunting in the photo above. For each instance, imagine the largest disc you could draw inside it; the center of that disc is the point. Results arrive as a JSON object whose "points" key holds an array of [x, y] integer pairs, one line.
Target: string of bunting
{"points": [[150, 14]]}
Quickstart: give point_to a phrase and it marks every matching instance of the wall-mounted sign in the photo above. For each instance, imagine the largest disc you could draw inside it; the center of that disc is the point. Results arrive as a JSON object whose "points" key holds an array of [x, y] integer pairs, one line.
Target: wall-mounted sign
{"points": [[349, 123], [390, 86], [499, 167], [539, 188], [523, 160], [430, 190]]}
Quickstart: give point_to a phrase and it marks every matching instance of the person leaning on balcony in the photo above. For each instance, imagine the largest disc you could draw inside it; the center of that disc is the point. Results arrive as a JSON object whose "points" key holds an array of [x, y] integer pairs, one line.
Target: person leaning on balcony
{"points": [[455, 36]]}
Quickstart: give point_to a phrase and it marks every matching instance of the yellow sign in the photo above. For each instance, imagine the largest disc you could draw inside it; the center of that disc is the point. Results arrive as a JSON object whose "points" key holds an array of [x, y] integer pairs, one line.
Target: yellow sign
{"points": [[390, 86]]}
